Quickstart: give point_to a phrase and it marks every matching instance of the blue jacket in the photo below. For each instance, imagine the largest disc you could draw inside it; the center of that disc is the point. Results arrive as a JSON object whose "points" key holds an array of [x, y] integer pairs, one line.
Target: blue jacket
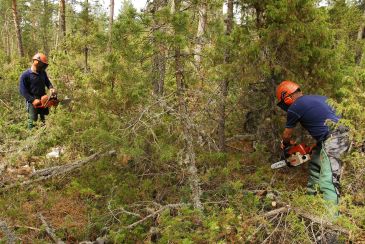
{"points": [[312, 112], [33, 86]]}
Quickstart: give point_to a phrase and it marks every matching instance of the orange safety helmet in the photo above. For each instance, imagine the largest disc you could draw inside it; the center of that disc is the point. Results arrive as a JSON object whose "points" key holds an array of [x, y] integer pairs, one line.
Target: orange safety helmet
{"points": [[41, 58], [284, 90]]}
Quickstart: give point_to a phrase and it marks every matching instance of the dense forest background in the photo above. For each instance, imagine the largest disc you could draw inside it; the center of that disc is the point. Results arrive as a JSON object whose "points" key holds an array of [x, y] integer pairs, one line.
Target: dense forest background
{"points": [[173, 122]]}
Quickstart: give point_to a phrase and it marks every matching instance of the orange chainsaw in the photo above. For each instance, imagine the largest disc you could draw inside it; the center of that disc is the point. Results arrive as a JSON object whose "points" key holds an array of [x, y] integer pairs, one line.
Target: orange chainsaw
{"points": [[296, 155], [48, 101]]}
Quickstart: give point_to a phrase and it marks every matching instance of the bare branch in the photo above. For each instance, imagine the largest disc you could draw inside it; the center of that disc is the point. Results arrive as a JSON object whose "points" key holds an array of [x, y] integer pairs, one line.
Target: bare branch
{"points": [[49, 230]]}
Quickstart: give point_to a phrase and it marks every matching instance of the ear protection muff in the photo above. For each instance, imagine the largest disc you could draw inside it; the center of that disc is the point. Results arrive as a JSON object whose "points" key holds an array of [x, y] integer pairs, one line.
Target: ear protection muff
{"points": [[288, 100]]}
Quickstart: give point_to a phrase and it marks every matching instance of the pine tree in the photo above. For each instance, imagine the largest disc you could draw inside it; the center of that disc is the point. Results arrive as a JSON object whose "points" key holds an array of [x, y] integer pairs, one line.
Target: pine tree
{"points": [[16, 20]]}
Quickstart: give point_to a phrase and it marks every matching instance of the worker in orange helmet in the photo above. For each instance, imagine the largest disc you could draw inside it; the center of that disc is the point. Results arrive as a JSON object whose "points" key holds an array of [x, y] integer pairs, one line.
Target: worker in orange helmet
{"points": [[32, 86], [314, 114]]}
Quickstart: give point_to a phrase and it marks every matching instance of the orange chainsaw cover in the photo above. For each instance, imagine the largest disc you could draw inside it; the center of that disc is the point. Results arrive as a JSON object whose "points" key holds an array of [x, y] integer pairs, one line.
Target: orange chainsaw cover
{"points": [[46, 103]]}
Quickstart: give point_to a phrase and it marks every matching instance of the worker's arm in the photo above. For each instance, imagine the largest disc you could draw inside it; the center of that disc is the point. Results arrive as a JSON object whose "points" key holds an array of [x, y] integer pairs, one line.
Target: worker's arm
{"points": [[287, 134], [23, 88]]}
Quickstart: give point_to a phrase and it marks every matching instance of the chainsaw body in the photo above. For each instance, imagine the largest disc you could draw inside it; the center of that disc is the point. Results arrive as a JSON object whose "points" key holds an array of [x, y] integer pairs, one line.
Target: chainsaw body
{"points": [[298, 154], [48, 101]]}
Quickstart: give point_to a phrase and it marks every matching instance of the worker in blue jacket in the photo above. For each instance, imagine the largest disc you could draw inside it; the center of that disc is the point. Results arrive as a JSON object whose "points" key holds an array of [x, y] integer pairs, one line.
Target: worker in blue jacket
{"points": [[32, 86], [315, 115]]}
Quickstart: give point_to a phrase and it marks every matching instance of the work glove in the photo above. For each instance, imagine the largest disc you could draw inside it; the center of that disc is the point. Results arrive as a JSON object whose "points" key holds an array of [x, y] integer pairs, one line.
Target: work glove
{"points": [[36, 103], [53, 91]]}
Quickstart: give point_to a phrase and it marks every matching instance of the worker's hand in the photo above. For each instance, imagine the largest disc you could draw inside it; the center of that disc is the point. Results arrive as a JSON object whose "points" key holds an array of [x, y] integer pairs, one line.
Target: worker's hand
{"points": [[36, 103], [53, 91], [284, 145]]}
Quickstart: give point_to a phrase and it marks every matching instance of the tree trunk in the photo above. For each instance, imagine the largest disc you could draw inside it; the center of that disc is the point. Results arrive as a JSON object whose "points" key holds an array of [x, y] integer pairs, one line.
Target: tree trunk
{"points": [[190, 157], [110, 44], [159, 70], [45, 22], [159, 53], [111, 19], [200, 33], [86, 32], [224, 83], [360, 37], [7, 45], [86, 55], [17, 28], [62, 18]]}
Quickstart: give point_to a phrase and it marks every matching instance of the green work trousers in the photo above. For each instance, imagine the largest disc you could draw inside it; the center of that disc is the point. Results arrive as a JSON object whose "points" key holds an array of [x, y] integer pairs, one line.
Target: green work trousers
{"points": [[325, 166], [33, 114]]}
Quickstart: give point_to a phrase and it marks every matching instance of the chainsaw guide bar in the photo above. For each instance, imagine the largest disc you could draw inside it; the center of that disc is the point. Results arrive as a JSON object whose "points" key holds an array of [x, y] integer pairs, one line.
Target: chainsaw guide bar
{"points": [[279, 164]]}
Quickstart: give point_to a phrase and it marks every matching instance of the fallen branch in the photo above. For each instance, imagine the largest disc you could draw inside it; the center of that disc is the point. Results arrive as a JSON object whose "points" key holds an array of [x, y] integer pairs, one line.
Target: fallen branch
{"points": [[276, 212], [49, 230], [45, 174], [10, 236]]}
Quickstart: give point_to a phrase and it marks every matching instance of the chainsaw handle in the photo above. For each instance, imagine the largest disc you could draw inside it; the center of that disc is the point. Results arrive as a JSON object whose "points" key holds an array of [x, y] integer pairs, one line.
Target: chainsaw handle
{"points": [[289, 164], [39, 106]]}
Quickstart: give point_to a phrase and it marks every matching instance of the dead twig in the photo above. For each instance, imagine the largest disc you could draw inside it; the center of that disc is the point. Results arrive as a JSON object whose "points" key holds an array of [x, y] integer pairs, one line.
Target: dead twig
{"points": [[25, 227], [122, 210], [262, 225], [49, 230], [276, 227]]}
